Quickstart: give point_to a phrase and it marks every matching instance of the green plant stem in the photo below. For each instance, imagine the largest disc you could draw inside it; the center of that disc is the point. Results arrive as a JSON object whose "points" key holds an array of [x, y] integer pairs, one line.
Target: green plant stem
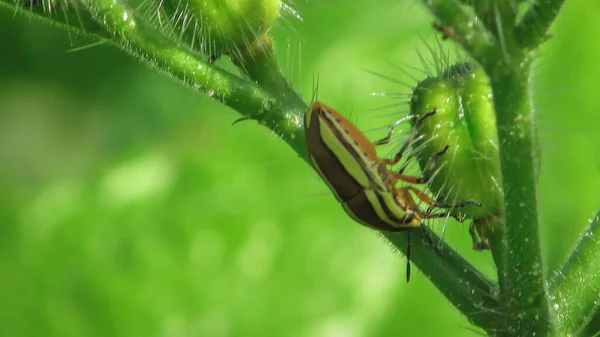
{"points": [[466, 30], [523, 290], [575, 290], [139, 39], [504, 16], [244, 96], [492, 13], [516, 248], [532, 30], [469, 291], [144, 42], [258, 60]]}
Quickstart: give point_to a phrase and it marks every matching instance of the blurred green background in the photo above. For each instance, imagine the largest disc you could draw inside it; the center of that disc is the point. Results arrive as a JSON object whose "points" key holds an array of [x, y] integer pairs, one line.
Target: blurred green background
{"points": [[131, 207]]}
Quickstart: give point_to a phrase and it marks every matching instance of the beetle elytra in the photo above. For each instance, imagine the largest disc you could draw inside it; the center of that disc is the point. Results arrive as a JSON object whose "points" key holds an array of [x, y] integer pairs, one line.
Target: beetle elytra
{"points": [[361, 181]]}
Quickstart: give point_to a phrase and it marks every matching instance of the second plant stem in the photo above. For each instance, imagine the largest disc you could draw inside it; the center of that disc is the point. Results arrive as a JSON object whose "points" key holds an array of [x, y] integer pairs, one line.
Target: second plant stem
{"points": [[520, 271]]}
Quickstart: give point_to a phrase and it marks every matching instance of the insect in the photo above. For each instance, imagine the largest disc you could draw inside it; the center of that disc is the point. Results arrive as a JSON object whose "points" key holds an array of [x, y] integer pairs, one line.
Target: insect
{"points": [[361, 181]]}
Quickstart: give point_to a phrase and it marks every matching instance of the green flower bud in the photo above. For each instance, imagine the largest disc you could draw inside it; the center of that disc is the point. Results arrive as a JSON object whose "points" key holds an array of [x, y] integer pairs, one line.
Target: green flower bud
{"points": [[464, 120], [221, 26]]}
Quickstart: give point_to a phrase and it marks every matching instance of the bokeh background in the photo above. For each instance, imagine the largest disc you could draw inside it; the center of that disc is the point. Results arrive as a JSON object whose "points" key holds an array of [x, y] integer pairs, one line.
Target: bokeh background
{"points": [[129, 205]]}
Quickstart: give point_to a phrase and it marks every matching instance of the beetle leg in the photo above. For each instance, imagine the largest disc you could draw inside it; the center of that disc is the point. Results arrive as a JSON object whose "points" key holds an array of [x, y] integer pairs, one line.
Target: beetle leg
{"points": [[439, 215], [444, 215], [458, 204], [385, 140], [435, 204], [411, 138], [414, 179], [421, 195], [406, 162], [428, 171], [477, 243], [409, 179]]}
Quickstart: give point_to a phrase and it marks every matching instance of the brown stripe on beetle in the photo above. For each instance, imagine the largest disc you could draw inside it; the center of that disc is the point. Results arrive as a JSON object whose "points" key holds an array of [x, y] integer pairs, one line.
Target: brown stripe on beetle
{"points": [[364, 158], [358, 146], [362, 211], [338, 177], [363, 144]]}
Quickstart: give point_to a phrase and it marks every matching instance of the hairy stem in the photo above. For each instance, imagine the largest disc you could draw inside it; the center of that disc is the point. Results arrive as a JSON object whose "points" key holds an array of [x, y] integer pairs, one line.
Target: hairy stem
{"points": [[516, 247], [258, 60], [533, 28], [242, 95], [112, 21], [139, 39], [523, 290], [467, 289], [575, 290], [457, 24]]}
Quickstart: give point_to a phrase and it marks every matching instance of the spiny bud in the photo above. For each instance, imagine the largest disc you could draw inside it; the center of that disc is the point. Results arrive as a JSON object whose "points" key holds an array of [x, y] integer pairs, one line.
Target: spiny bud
{"points": [[221, 26], [464, 120]]}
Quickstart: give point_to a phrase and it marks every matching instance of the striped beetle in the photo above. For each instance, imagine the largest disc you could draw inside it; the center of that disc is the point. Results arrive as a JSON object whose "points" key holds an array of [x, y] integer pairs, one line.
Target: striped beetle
{"points": [[361, 181]]}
